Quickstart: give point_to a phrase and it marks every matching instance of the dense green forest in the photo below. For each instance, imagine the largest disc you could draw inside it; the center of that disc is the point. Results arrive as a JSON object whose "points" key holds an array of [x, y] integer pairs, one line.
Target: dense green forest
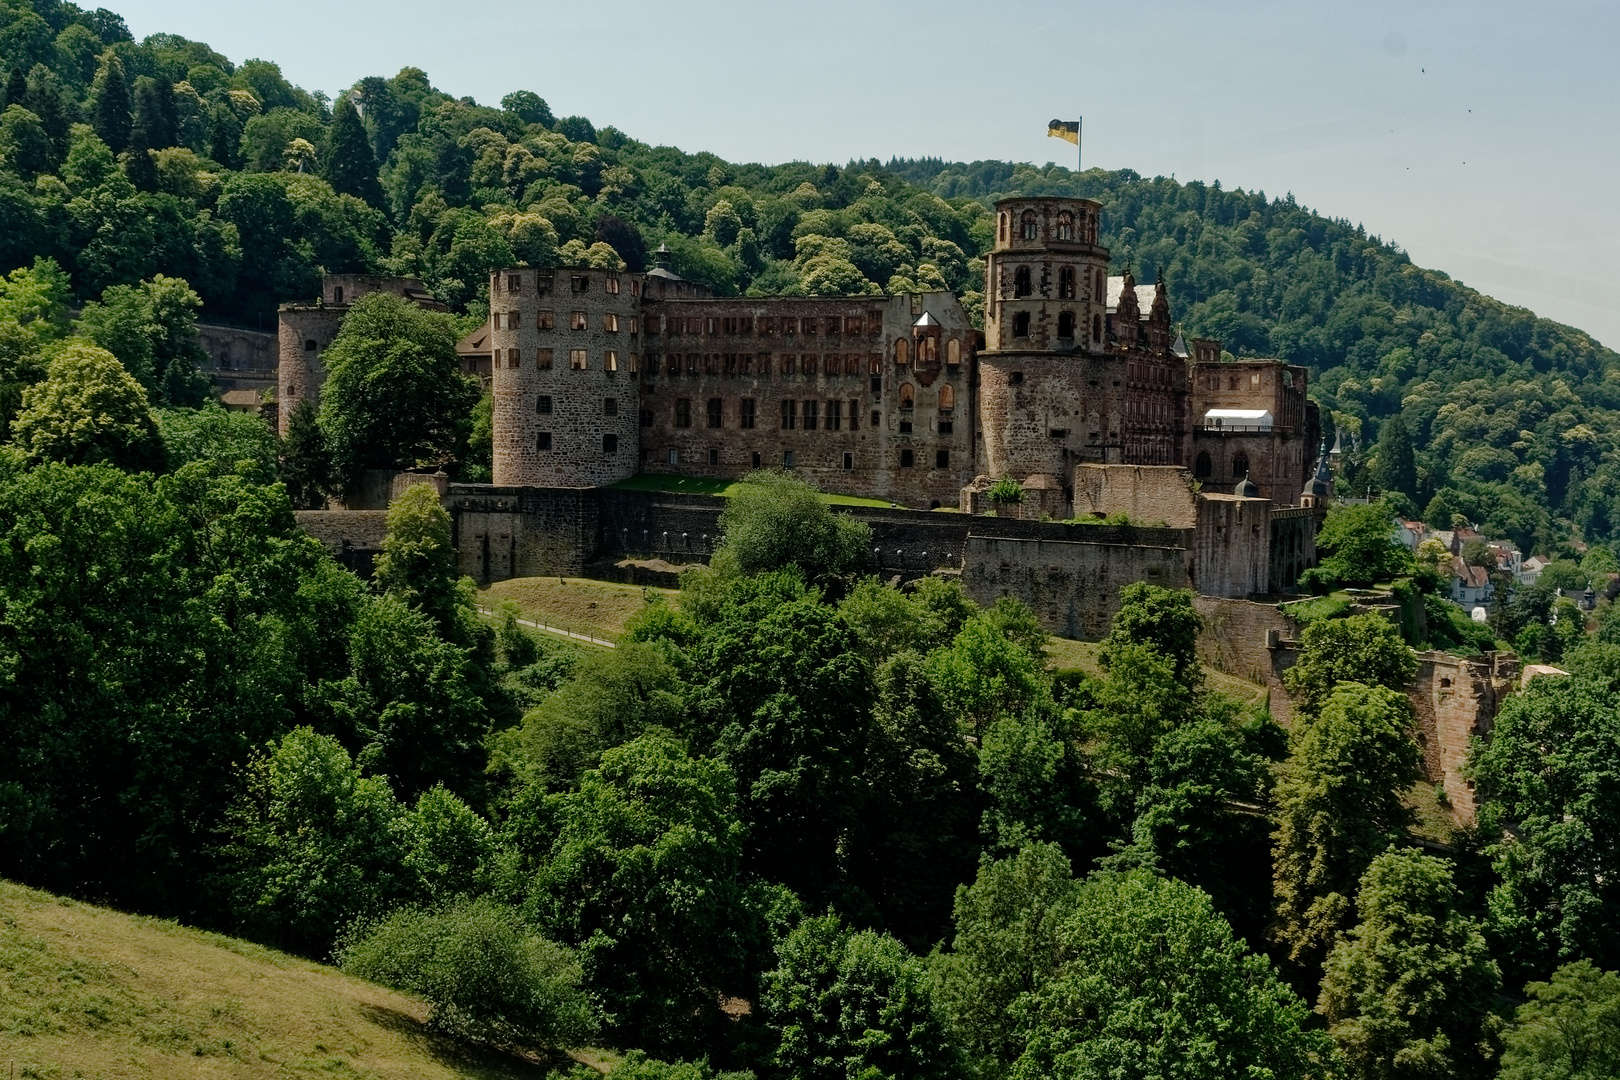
{"points": [[122, 160], [799, 824]]}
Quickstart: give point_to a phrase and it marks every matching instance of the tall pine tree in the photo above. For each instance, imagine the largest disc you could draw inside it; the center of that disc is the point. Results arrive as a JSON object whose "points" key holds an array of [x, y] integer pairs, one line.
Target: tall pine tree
{"points": [[350, 166], [154, 111], [111, 118], [1397, 468], [16, 89]]}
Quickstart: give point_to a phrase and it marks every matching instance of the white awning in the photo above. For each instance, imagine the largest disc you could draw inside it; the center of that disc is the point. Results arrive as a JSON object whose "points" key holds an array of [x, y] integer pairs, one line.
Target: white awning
{"points": [[1251, 419]]}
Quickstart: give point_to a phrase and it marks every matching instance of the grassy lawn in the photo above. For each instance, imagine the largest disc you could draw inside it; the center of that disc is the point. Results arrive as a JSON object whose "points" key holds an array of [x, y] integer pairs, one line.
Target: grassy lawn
{"points": [[85, 991], [579, 605]]}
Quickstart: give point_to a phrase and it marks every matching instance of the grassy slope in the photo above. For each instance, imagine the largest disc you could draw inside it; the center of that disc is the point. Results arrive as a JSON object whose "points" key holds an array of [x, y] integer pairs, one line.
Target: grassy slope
{"points": [[88, 992], [579, 605]]}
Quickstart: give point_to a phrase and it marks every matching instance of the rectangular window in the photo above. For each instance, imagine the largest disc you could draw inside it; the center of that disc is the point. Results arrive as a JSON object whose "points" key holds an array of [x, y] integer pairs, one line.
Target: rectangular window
{"points": [[789, 411], [731, 363], [852, 326], [610, 443], [787, 459], [729, 324], [310, 345], [635, 286], [635, 324], [714, 456], [947, 427], [874, 323], [692, 360], [754, 459], [613, 286], [674, 457], [673, 364], [635, 362], [610, 406], [905, 427], [545, 320], [877, 417], [835, 325], [694, 326], [610, 322], [907, 459], [514, 359], [610, 360], [807, 363], [579, 283], [854, 415], [542, 404], [835, 416], [683, 412], [542, 441], [745, 325], [747, 412], [808, 410], [514, 319], [745, 363], [495, 320], [578, 321], [646, 418], [787, 363], [849, 460], [576, 360], [714, 412], [514, 283], [767, 325], [711, 325], [807, 327], [942, 459]]}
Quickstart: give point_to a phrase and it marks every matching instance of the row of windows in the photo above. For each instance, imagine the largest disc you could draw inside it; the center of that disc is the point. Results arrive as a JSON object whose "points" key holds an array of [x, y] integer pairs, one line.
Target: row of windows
{"points": [[767, 325], [927, 355], [1203, 467], [828, 415], [908, 458], [1065, 227], [610, 442], [578, 284], [1065, 327], [577, 320], [542, 405], [1068, 287], [578, 360]]}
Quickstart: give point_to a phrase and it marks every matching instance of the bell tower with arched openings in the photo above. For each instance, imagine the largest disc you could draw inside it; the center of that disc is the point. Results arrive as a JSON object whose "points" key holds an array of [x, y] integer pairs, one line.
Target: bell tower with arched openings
{"points": [[1047, 376]]}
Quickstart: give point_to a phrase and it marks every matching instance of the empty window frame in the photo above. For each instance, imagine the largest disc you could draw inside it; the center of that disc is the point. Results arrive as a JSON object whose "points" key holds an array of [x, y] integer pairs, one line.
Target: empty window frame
{"points": [[1022, 282], [907, 459], [1066, 285], [542, 441], [579, 283], [807, 410], [854, 415], [746, 414], [1065, 325], [683, 412], [715, 412], [835, 416], [610, 443], [790, 412], [942, 459], [1021, 324], [610, 406], [542, 405]]}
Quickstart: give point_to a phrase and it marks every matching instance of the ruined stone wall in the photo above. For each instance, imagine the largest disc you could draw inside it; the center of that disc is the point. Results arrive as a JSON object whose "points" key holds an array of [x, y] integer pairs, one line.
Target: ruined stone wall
{"points": [[239, 359], [1253, 641], [1453, 699], [1073, 585], [1043, 414], [1293, 544], [523, 532], [656, 524], [354, 537], [1232, 546], [1147, 493], [873, 412], [565, 349]]}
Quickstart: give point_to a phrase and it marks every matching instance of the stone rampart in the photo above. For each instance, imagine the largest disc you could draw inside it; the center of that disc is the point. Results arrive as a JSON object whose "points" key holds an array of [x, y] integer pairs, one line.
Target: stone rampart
{"points": [[354, 537]]}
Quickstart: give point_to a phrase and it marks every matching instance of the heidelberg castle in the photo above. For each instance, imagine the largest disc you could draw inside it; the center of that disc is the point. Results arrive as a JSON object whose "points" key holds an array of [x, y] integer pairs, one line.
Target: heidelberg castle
{"points": [[599, 375]]}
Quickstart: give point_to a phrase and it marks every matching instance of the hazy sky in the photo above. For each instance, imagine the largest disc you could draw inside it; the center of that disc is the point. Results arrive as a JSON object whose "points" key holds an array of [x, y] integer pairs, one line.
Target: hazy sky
{"points": [[1482, 136]]}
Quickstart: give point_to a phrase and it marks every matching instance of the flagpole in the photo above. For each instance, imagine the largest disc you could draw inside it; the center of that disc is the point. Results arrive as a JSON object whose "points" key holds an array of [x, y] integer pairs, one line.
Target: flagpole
{"points": [[1079, 140]]}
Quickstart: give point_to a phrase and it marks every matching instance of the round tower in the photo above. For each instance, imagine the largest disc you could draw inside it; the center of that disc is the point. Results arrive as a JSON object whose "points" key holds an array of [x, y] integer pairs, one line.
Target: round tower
{"points": [[565, 352], [1045, 385]]}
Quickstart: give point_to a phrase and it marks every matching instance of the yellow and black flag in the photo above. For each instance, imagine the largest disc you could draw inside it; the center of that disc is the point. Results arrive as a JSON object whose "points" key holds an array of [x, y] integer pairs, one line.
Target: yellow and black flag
{"points": [[1068, 130]]}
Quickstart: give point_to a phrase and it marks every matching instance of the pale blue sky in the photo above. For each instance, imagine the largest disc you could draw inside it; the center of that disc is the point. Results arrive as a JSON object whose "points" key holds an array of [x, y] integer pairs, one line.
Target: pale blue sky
{"points": [[1482, 136]]}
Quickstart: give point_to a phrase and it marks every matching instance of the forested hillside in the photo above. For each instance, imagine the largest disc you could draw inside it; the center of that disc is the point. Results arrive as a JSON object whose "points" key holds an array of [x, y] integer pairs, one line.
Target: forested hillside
{"points": [[225, 175]]}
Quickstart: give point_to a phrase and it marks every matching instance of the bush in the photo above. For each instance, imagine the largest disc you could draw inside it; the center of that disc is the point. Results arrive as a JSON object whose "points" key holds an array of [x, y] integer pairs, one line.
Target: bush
{"points": [[482, 974], [774, 519]]}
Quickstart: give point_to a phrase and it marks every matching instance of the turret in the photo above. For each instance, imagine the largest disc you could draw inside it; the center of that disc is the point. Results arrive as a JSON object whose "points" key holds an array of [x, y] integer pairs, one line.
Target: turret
{"points": [[1046, 277]]}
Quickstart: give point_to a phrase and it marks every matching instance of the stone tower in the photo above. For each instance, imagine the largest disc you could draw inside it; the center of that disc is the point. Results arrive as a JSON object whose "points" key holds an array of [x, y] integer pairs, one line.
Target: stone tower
{"points": [[1047, 392], [565, 355]]}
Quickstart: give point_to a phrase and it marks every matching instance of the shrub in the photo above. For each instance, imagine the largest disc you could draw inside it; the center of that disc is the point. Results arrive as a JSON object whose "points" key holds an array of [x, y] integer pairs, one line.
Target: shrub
{"points": [[482, 974]]}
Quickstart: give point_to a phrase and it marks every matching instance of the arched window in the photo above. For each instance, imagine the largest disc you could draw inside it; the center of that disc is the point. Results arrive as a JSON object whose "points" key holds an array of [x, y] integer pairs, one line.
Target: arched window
{"points": [[1028, 226], [1066, 324], [902, 351], [1201, 466], [1066, 283], [1003, 226], [908, 396], [928, 349], [947, 398], [953, 351], [1065, 225], [1021, 282], [1240, 465]]}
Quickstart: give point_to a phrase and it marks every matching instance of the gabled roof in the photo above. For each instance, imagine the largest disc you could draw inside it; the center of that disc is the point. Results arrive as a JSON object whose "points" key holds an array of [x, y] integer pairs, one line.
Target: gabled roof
{"points": [[1144, 295]]}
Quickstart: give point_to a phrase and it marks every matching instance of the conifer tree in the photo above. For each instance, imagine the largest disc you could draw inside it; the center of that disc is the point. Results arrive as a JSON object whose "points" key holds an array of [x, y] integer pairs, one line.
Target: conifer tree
{"points": [[137, 161], [111, 116], [16, 89], [350, 167], [1397, 468], [154, 111], [306, 468]]}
